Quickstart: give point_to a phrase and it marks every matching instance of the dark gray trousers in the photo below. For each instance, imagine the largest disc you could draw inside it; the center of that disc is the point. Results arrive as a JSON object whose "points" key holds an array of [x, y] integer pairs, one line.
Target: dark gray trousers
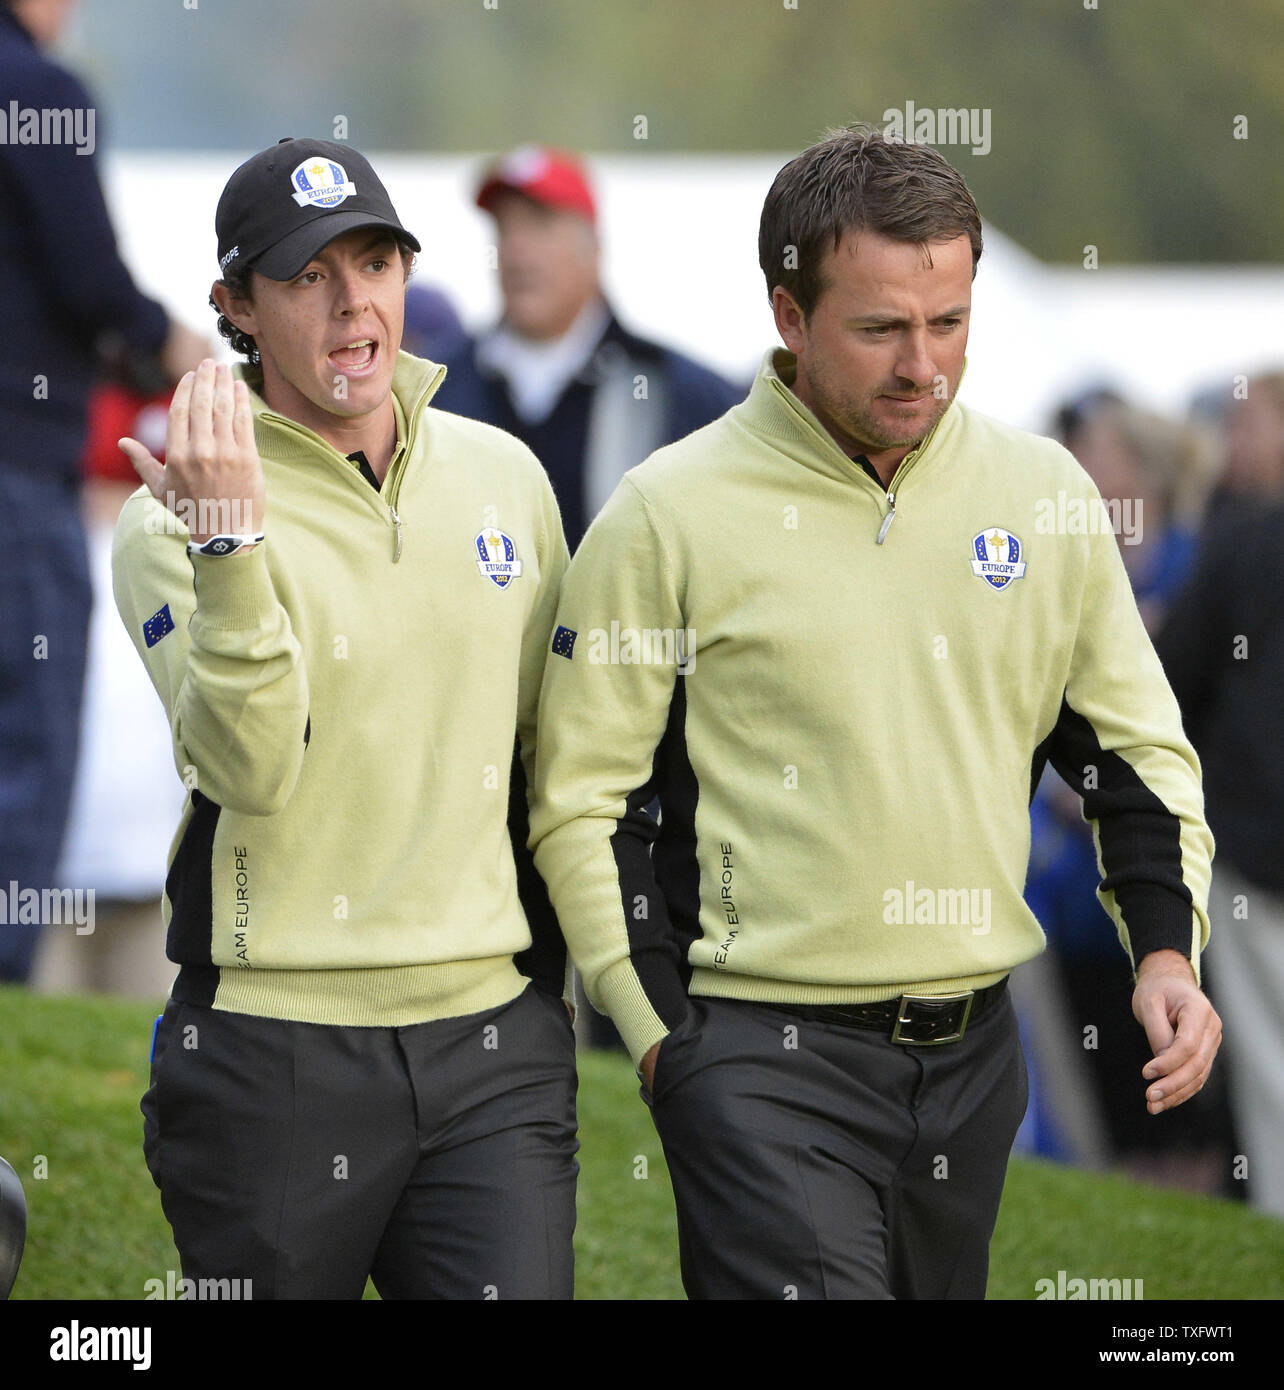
{"points": [[814, 1160], [439, 1158]]}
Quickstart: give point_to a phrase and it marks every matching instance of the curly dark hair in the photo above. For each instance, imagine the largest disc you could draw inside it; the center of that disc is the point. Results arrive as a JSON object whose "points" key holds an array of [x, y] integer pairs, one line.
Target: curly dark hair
{"points": [[237, 284]]}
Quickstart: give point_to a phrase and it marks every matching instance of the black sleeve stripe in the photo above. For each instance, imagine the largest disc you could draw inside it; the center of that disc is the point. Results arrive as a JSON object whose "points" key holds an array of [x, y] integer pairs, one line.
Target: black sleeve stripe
{"points": [[544, 961], [190, 890], [1038, 762], [660, 886], [1140, 837], [677, 865]]}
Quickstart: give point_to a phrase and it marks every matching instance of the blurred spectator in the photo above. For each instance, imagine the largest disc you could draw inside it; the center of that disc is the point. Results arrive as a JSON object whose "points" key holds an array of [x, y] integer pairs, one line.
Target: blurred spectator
{"points": [[559, 371], [1209, 407], [66, 294], [125, 800], [1254, 464], [1154, 476], [432, 327], [1223, 651], [1069, 419]]}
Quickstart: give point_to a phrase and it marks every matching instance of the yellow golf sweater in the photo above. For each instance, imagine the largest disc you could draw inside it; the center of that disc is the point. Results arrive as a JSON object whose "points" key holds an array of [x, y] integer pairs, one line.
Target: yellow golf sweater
{"points": [[843, 698], [345, 702]]}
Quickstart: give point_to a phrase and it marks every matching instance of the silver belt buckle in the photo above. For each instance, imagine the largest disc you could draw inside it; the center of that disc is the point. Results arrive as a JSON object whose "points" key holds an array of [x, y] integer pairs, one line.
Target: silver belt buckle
{"points": [[923, 1011]]}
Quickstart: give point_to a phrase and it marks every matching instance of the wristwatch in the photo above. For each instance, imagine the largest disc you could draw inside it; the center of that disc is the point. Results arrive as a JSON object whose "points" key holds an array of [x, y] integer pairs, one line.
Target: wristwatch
{"points": [[223, 545]]}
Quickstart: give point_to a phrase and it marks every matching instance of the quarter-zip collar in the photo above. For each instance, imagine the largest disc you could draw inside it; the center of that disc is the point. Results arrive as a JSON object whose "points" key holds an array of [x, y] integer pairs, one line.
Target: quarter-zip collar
{"points": [[414, 383], [774, 412], [363, 463]]}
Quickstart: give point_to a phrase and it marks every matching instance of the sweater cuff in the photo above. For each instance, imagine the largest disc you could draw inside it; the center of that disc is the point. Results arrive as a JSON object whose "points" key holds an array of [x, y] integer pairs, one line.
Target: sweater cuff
{"points": [[621, 995], [234, 593], [1158, 920]]}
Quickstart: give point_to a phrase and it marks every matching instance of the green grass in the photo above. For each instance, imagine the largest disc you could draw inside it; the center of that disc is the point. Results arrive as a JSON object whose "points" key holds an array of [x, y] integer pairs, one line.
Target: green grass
{"points": [[626, 1237], [72, 1072]]}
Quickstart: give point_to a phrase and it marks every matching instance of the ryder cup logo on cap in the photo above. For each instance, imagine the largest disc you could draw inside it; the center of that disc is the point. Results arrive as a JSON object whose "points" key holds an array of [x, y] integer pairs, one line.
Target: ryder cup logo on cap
{"points": [[283, 206], [997, 557], [321, 183]]}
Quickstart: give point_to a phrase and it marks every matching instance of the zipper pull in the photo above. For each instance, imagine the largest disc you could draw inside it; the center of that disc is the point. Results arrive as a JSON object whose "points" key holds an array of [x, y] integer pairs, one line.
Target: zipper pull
{"points": [[396, 521], [888, 519]]}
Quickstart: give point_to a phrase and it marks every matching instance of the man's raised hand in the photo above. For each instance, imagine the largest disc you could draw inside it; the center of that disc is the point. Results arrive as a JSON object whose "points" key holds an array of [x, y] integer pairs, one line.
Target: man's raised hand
{"points": [[212, 477]]}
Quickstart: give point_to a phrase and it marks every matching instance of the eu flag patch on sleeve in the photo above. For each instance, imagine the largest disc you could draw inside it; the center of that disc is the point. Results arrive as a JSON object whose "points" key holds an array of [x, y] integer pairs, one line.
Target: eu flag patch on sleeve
{"points": [[564, 642], [157, 626]]}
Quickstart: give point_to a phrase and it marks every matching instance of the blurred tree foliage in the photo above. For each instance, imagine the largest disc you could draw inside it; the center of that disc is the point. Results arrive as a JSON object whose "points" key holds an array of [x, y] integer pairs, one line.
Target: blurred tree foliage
{"points": [[1111, 125]]}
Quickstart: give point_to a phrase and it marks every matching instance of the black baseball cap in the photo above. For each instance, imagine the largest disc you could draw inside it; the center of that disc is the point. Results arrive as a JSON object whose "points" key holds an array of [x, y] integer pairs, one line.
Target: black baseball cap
{"points": [[281, 207]]}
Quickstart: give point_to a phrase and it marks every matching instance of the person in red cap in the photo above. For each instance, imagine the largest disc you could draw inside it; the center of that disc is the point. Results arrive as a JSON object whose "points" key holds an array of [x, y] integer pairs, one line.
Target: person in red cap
{"points": [[560, 371]]}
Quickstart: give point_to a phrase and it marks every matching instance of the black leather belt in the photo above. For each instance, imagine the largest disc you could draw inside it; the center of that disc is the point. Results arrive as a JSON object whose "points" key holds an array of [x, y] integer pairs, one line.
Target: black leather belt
{"points": [[917, 1020]]}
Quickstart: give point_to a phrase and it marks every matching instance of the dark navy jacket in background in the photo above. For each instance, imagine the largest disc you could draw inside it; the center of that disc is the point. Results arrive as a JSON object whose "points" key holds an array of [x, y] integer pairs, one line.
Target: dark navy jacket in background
{"points": [[689, 396], [62, 283]]}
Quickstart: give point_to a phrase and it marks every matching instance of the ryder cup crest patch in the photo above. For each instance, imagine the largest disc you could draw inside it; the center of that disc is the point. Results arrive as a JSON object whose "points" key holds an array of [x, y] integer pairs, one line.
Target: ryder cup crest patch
{"points": [[497, 557], [997, 557], [321, 183]]}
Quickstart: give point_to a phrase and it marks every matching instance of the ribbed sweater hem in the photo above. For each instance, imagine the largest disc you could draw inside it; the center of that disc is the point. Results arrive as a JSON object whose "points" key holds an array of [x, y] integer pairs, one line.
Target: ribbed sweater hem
{"points": [[373, 997]]}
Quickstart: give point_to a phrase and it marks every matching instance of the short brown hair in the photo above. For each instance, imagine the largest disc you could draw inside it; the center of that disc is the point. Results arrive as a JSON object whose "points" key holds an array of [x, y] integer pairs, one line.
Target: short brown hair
{"points": [[857, 178]]}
